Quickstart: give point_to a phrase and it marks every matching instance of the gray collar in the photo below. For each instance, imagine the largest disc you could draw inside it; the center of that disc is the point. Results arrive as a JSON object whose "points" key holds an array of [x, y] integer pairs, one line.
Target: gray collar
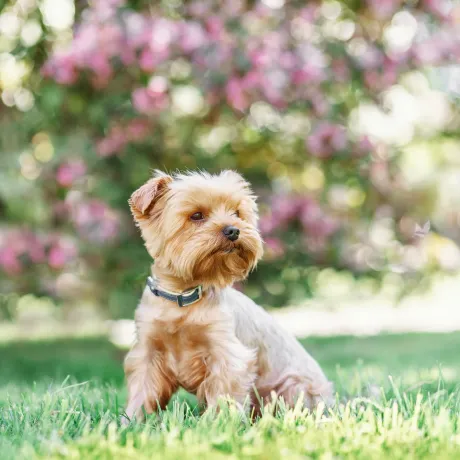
{"points": [[182, 299]]}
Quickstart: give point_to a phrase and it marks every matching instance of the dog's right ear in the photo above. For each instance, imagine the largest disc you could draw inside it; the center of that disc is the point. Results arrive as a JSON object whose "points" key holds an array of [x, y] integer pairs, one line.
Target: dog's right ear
{"points": [[143, 200]]}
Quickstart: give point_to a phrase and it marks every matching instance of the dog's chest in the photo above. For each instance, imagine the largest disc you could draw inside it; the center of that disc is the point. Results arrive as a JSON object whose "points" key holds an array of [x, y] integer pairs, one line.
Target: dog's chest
{"points": [[186, 352]]}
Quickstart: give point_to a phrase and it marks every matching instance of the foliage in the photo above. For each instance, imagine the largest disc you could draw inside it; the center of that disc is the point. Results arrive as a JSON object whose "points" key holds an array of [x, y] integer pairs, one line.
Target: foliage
{"points": [[413, 416], [322, 106]]}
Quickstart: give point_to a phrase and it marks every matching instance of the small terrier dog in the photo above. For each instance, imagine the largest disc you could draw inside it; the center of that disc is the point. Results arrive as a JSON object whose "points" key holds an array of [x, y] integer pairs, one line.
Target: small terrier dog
{"points": [[193, 329]]}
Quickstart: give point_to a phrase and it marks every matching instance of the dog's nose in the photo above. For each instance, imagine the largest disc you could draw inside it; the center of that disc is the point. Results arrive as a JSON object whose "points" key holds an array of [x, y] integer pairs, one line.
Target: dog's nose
{"points": [[231, 232]]}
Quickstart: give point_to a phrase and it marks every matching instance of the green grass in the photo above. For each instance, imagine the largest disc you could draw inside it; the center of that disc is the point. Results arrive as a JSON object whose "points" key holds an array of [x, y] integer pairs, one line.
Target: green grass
{"points": [[62, 399]]}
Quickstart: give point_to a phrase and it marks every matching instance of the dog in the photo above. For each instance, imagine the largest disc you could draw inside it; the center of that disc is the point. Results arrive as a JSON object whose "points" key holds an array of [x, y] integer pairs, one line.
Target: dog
{"points": [[193, 329]]}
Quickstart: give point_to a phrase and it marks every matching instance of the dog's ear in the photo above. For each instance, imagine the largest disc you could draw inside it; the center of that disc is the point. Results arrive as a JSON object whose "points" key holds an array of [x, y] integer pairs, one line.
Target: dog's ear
{"points": [[144, 198]]}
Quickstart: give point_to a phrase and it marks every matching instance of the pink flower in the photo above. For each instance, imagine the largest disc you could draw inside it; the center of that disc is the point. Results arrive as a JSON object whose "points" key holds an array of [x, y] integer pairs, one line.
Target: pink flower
{"points": [[142, 101], [252, 80], [99, 64], [192, 36], [340, 70], [152, 99], [236, 96], [315, 222], [61, 253], [382, 79], [320, 105], [383, 9], [199, 8], [95, 221], [57, 257], [20, 247], [428, 53], [274, 248], [363, 147], [9, 261], [147, 61], [69, 172], [215, 27], [267, 225], [36, 250], [439, 8], [285, 207], [137, 130], [327, 139], [61, 68], [308, 74]]}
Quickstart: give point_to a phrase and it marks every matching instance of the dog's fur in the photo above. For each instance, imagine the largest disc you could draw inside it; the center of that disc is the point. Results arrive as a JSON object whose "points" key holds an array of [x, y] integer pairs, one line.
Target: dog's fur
{"points": [[224, 345]]}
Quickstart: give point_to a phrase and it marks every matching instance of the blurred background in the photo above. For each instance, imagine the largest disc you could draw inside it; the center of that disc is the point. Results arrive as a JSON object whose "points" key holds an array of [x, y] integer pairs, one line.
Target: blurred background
{"points": [[344, 115]]}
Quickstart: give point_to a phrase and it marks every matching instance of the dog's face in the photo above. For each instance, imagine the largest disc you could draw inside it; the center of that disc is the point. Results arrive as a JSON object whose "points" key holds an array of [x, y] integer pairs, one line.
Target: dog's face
{"points": [[201, 228]]}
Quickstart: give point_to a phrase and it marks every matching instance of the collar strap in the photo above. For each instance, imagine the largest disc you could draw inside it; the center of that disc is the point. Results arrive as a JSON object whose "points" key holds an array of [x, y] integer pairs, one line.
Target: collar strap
{"points": [[183, 300]]}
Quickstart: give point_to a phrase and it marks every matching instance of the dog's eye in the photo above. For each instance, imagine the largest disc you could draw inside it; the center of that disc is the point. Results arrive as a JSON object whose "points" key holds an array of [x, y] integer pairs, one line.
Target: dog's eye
{"points": [[236, 213], [197, 216]]}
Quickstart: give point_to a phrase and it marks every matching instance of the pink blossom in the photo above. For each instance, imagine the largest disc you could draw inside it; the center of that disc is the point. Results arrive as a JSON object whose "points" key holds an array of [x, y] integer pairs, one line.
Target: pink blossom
{"points": [[163, 34], [439, 8], [380, 80], [427, 53], [341, 70], [57, 257], [215, 27], [69, 172], [285, 207], [137, 130], [370, 58], [268, 224], [192, 36], [327, 139], [308, 74], [142, 101], [9, 261], [95, 221], [199, 8], [383, 9], [61, 68], [20, 244], [287, 60], [315, 222], [363, 147], [115, 141], [99, 64], [147, 61], [274, 248], [236, 96], [151, 99], [319, 104], [136, 29], [62, 251], [252, 80], [310, 13], [119, 136], [36, 250]]}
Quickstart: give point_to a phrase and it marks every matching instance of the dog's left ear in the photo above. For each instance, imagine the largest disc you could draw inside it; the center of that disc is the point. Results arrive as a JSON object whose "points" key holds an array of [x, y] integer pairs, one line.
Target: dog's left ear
{"points": [[143, 200]]}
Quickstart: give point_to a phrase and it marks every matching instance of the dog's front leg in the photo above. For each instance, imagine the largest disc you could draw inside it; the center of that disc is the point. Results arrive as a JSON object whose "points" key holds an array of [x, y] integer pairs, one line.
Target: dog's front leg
{"points": [[150, 383], [231, 374]]}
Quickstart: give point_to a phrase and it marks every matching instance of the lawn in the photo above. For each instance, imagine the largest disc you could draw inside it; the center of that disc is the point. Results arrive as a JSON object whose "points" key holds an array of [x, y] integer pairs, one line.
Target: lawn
{"points": [[397, 398]]}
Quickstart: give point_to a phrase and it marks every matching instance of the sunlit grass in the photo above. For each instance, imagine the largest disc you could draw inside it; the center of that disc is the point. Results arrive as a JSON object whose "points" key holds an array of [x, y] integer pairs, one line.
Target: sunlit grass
{"points": [[396, 397]]}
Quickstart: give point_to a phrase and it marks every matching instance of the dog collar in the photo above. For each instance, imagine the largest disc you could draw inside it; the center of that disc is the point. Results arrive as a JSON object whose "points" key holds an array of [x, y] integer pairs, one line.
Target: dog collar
{"points": [[184, 299]]}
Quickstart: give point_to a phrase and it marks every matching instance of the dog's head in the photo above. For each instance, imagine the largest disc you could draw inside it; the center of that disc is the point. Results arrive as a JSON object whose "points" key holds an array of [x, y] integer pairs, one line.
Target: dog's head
{"points": [[202, 228]]}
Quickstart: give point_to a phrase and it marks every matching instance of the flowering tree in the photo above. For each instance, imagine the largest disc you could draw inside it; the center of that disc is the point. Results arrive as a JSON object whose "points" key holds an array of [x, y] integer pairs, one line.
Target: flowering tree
{"points": [[305, 98]]}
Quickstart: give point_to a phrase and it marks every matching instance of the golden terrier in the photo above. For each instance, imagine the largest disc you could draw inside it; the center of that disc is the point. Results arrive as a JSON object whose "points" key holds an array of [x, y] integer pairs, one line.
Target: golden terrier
{"points": [[193, 329]]}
